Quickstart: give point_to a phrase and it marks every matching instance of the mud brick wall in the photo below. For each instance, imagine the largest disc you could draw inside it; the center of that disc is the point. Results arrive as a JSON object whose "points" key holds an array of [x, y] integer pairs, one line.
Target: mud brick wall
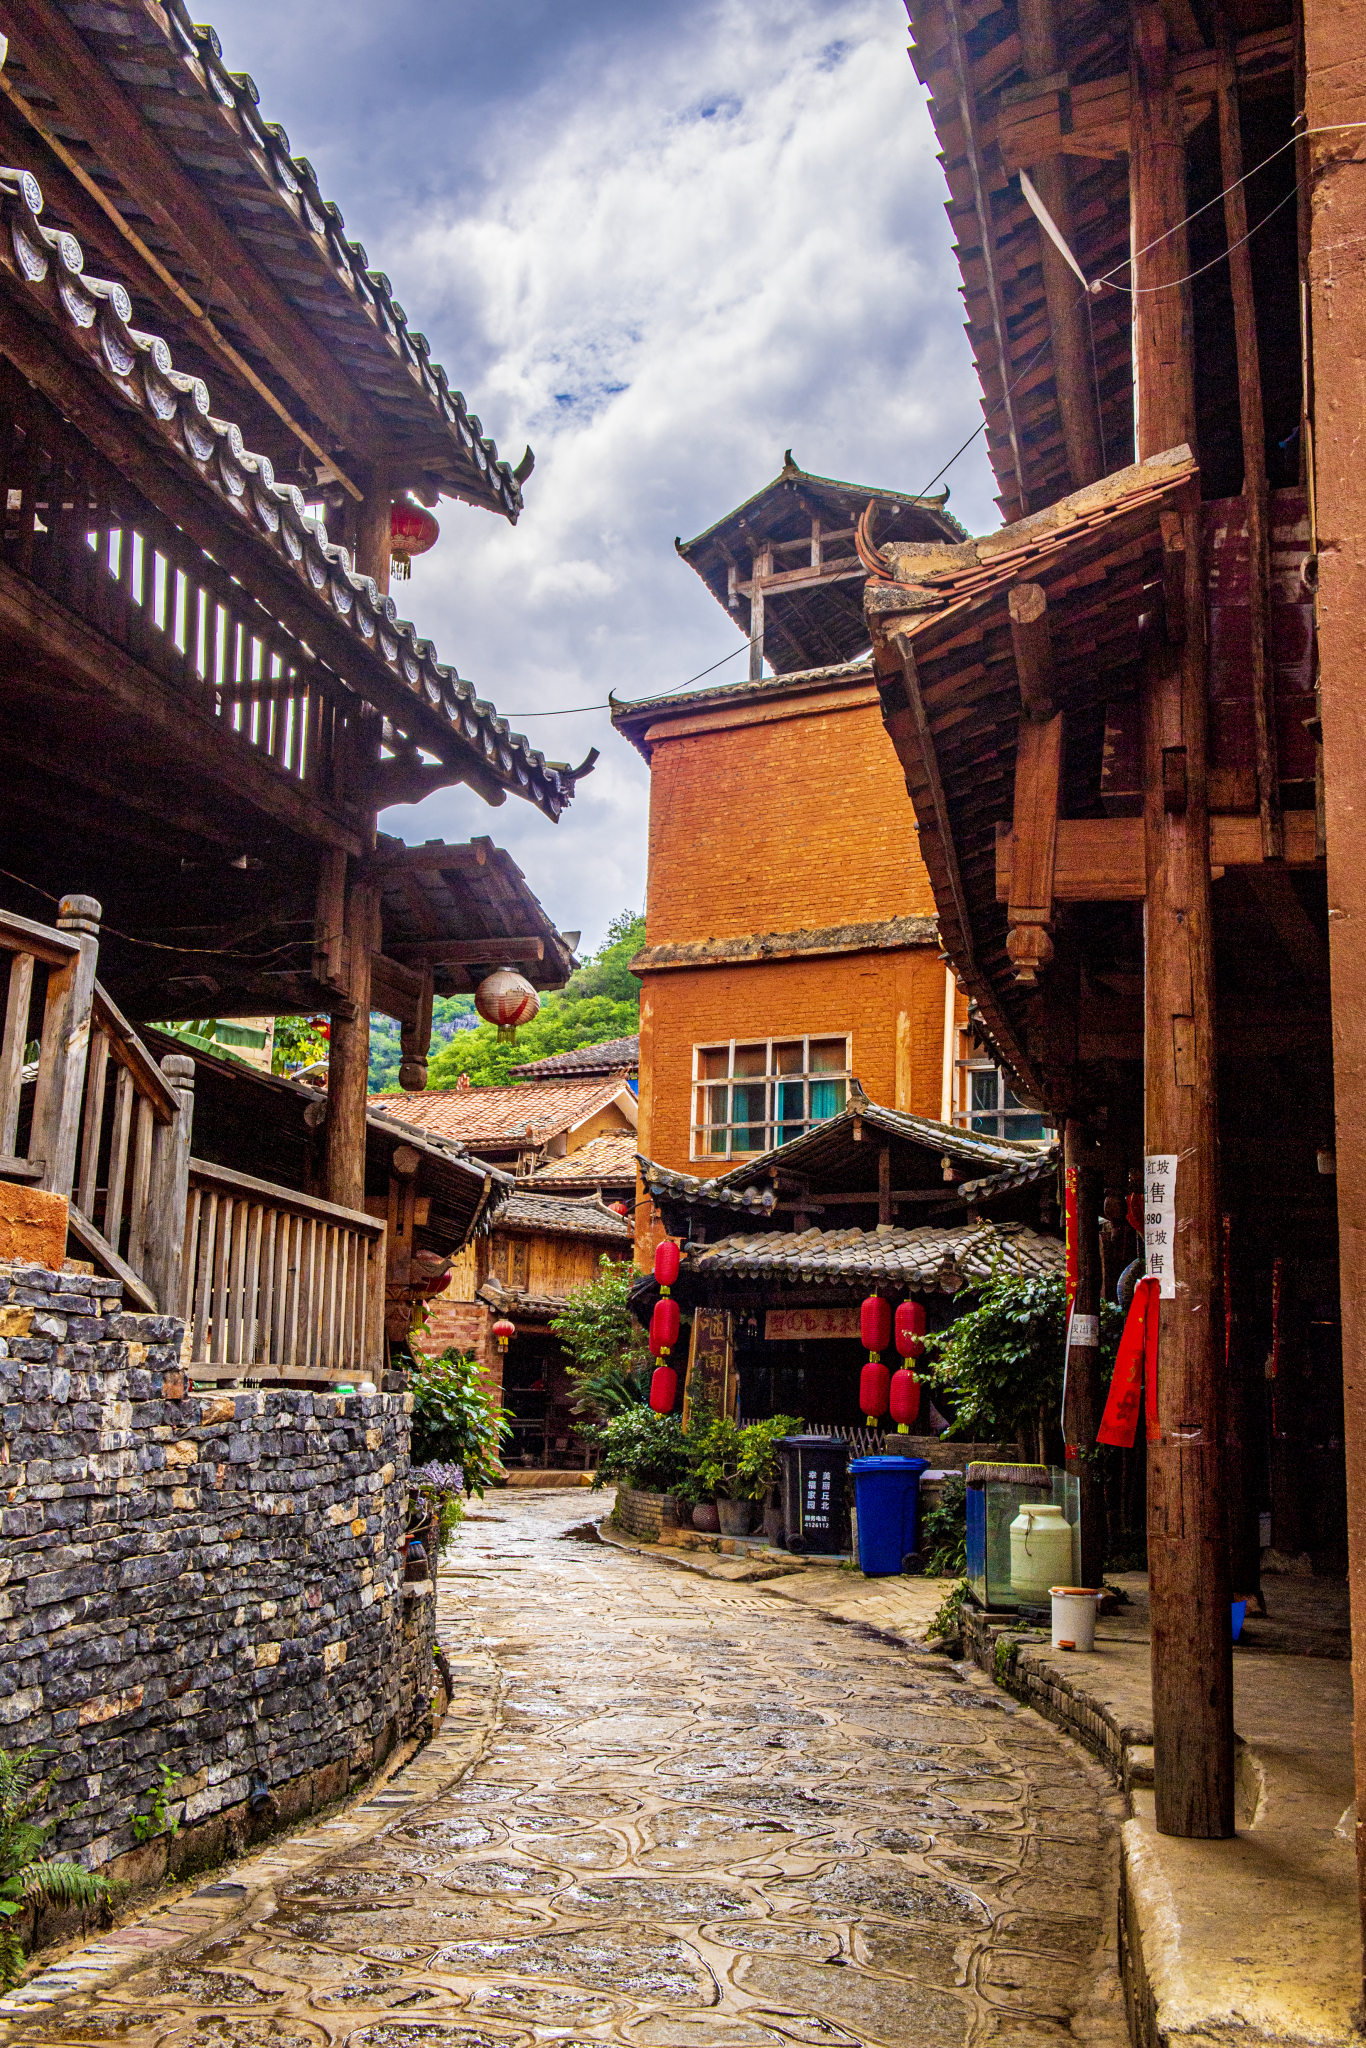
{"points": [[207, 1580]]}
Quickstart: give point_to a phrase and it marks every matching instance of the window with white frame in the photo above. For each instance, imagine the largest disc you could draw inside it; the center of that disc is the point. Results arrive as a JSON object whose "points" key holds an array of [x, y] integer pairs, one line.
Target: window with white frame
{"points": [[751, 1096]]}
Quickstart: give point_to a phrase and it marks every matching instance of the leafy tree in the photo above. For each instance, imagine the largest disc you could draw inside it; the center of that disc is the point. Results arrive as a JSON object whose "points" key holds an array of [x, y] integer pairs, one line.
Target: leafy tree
{"points": [[26, 1875], [457, 1418], [450, 1016], [1001, 1363], [299, 1042], [609, 1356], [601, 1000]]}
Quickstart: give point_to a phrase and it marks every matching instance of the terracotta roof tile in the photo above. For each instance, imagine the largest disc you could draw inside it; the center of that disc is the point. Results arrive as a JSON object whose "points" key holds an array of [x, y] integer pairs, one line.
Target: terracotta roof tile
{"points": [[613, 1056], [601, 1160], [531, 1112]]}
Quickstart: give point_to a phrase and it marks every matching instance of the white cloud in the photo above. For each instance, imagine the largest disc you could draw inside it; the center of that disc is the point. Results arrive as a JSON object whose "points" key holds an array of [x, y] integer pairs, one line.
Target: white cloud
{"points": [[683, 253]]}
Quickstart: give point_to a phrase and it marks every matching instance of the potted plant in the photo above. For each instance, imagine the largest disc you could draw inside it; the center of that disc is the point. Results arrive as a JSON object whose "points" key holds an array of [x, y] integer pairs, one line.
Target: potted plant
{"points": [[757, 1465], [717, 1472]]}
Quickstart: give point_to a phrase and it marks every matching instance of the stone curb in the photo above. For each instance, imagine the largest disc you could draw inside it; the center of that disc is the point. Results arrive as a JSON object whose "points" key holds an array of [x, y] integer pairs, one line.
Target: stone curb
{"points": [[414, 1778], [752, 1571]]}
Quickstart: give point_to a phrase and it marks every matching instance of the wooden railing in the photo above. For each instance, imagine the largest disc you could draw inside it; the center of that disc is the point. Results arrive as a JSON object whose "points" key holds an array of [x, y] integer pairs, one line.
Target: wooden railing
{"points": [[66, 954], [73, 524], [278, 1285]]}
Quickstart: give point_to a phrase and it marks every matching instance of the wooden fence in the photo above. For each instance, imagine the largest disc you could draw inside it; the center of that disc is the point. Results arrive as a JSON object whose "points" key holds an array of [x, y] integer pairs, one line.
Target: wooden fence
{"points": [[279, 1285], [271, 1283]]}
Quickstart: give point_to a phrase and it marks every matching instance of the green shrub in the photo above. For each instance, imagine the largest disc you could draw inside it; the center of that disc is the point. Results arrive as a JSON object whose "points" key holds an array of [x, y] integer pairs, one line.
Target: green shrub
{"points": [[26, 1875], [947, 1625], [757, 1465], [609, 1355], [457, 1418], [641, 1449], [944, 1532], [734, 1463], [1001, 1363]]}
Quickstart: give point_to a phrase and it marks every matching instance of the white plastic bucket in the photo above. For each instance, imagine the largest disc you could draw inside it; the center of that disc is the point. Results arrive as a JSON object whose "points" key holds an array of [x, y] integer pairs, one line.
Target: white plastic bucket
{"points": [[1074, 1617]]}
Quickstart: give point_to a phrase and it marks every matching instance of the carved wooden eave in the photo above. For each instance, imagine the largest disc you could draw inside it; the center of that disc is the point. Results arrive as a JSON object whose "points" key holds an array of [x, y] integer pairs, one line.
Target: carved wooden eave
{"points": [[356, 627]]}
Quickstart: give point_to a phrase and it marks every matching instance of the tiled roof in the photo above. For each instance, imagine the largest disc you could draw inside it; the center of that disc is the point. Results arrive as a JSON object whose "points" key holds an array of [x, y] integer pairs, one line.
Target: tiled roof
{"points": [[603, 1161], [208, 121], [530, 1113], [823, 1139], [1026, 1175], [613, 1056], [663, 1182], [928, 1259], [517, 1305], [563, 1216], [94, 316], [882, 936]]}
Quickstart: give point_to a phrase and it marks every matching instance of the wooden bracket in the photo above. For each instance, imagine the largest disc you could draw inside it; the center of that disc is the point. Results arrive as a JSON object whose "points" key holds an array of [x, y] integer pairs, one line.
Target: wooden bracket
{"points": [[1033, 641], [1038, 772], [415, 1039]]}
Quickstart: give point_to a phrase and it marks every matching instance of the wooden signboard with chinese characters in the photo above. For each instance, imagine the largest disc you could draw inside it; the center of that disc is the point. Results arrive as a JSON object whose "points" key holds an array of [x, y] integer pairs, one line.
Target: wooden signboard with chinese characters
{"points": [[789, 1323], [712, 1381]]}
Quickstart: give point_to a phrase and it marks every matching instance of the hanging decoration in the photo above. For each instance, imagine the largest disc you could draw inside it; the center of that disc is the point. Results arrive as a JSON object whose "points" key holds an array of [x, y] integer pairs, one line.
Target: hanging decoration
{"points": [[904, 1393], [1135, 1373], [1069, 1212], [412, 530], [507, 1000], [504, 1332], [665, 1324], [1273, 1356], [875, 1381]]}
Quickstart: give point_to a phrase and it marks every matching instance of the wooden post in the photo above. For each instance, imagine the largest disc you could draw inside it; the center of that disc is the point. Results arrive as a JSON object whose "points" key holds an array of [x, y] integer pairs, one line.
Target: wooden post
{"points": [[1333, 190], [761, 565], [1085, 1393], [372, 528], [169, 1190], [884, 1184], [66, 1038], [1187, 1533], [1254, 455], [1073, 375], [348, 1054]]}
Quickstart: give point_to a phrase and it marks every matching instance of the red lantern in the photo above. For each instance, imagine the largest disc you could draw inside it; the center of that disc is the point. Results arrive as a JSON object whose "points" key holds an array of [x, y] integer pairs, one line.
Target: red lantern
{"points": [[910, 1329], [507, 1000], [905, 1399], [663, 1389], [667, 1262], [664, 1325], [504, 1332], [875, 1323], [412, 530], [874, 1390]]}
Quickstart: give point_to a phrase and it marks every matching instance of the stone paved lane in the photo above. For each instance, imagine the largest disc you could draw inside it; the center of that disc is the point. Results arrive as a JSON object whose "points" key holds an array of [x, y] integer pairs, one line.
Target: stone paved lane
{"points": [[705, 1821]]}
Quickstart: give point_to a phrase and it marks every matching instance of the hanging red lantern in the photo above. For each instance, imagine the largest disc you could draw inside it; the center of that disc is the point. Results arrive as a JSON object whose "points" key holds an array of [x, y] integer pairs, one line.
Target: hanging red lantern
{"points": [[910, 1329], [504, 1332], [664, 1325], [663, 1389], [874, 1390], [412, 530], [667, 1262], [875, 1323], [507, 1000], [905, 1399]]}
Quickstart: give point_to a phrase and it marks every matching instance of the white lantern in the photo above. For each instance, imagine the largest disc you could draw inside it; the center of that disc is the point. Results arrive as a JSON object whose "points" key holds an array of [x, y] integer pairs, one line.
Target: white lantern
{"points": [[507, 1000]]}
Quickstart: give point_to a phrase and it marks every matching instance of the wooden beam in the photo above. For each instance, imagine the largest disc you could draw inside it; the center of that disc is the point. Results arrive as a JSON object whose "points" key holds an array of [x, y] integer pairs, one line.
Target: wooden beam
{"points": [[96, 1244], [465, 952], [1100, 860], [1073, 375], [972, 150], [66, 71], [348, 1054], [1032, 638], [1038, 773], [762, 570], [432, 856], [395, 990], [1254, 454], [939, 821]]}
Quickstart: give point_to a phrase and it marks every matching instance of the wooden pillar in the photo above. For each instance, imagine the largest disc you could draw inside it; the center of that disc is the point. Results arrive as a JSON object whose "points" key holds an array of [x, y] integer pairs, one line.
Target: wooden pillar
{"points": [[1187, 1530], [1085, 1392], [760, 567], [348, 1052], [884, 1184], [1335, 91], [372, 527], [1068, 317]]}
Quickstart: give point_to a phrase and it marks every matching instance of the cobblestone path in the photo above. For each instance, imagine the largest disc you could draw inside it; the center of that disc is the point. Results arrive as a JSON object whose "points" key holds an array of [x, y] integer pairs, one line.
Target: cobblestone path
{"points": [[705, 1821]]}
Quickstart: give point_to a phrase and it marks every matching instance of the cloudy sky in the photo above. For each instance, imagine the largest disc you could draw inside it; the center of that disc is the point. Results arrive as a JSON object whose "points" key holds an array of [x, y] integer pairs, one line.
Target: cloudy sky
{"points": [[661, 244]]}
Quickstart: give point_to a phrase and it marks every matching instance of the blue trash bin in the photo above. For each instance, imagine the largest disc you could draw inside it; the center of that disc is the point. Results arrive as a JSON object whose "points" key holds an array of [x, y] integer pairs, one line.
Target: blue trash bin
{"points": [[887, 1491]]}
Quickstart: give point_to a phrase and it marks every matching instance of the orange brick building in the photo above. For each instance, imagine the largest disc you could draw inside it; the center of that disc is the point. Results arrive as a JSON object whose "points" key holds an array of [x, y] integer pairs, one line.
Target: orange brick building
{"points": [[791, 941]]}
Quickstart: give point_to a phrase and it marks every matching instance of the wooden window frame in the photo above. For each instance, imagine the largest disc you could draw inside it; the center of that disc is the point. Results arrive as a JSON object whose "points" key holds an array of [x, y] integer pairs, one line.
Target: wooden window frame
{"points": [[701, 1130]]}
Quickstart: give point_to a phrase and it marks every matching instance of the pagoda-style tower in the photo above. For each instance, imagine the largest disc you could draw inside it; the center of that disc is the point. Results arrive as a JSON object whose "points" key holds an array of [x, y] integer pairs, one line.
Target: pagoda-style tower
{"points": [[784, 564]]}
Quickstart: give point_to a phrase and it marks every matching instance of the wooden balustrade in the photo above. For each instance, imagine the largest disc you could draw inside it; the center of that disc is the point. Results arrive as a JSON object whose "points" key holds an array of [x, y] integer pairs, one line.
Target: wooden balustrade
{"points": [[45, 1152], [277, 1285]]}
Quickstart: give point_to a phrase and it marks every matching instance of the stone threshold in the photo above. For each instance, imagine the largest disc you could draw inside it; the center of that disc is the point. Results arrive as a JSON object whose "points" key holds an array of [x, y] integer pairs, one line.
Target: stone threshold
{"points": [[243, 1890]]}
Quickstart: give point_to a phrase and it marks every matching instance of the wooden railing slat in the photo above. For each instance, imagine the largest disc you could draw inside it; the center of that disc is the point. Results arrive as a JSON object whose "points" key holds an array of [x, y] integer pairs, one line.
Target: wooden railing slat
{"points": [[118, 1158], [92, 1135], [12, 1046], [142, 1179]]}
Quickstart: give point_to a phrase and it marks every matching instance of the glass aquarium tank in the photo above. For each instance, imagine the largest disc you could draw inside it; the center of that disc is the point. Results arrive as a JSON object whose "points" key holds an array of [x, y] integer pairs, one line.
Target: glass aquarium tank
{"points": [[1023, 1534]]}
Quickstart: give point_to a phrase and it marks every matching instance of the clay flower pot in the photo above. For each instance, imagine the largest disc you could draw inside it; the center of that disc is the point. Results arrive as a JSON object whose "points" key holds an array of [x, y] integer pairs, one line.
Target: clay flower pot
{"points": [[736, 1516], [706, 1518]]}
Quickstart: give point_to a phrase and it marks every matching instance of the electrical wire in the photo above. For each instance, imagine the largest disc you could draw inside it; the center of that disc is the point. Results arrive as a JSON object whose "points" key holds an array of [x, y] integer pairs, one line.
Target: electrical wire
{"points": [[571, 710]]}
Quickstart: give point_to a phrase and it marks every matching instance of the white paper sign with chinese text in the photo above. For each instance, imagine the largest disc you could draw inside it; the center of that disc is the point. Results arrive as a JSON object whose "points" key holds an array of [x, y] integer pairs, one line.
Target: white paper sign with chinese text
{"points": [[1159, 1221]]}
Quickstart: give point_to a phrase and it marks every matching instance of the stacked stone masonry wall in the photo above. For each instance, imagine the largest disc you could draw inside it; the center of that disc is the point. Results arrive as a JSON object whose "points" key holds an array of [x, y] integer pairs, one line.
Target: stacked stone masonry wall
{"points": [[645, 1515], [212, 1581]]}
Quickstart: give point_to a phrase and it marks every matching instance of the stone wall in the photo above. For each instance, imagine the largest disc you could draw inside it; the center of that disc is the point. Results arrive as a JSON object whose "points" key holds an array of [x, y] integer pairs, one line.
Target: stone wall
{"points": [[644, 1515], [209, 1581]]}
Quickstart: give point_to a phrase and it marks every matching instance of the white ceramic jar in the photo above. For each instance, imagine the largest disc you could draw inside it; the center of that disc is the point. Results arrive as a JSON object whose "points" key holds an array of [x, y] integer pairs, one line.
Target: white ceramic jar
{"points": [[1040, 1552]]}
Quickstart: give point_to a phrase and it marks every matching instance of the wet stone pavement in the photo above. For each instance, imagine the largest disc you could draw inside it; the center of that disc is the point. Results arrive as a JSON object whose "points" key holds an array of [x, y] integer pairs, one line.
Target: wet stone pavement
{"points": [[704, 1821]]}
